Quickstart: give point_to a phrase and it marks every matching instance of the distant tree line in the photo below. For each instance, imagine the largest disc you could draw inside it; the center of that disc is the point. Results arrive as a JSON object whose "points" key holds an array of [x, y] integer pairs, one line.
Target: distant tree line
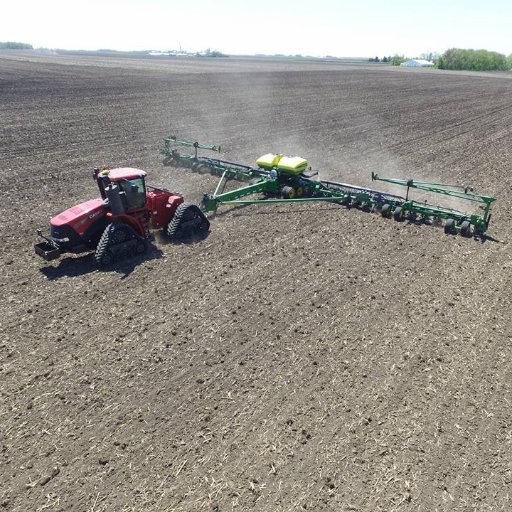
{"points": [[211, 53], [394, 60], [10, 45], [474, 60], [458, 59]]}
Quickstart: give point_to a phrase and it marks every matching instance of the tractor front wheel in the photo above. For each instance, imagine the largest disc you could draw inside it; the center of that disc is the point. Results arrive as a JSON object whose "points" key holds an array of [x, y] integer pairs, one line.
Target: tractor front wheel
{"points": [[103, 256], [118, 241]]}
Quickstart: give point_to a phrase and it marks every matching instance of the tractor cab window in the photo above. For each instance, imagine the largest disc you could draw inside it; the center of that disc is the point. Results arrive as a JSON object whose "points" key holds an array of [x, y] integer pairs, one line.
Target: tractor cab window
{"points": [[135, 192]]}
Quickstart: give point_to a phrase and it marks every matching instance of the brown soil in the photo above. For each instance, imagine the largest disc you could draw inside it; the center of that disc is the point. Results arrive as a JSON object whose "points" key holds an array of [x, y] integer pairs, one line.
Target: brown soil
{"points": [[300, 358]]}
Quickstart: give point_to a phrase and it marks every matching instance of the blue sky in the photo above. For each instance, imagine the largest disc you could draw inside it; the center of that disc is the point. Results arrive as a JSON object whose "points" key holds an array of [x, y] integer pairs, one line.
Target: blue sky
{"points": [[316, 27]]}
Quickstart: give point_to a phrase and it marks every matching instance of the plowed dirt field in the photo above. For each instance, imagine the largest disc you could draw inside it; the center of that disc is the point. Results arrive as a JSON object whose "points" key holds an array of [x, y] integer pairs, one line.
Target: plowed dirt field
{"points": [[299, 358]]}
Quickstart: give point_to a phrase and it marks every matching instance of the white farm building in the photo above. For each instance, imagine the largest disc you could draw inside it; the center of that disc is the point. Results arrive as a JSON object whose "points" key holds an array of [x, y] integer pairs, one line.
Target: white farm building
{"points": [[417, 63]]}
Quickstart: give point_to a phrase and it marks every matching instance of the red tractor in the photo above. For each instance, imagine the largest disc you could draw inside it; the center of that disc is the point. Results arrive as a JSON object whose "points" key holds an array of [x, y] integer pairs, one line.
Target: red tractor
{"points": [[118, 224]]}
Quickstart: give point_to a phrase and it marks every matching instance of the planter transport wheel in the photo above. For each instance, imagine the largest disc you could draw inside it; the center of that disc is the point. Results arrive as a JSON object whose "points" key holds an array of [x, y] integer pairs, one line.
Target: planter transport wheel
{"points": [[202, 168], [465, 228], [449, 227], [288, 192]]}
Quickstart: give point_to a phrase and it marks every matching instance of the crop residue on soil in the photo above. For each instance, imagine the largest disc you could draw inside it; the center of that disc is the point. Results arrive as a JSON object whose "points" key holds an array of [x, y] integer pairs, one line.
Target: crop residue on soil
{"points": [[299, 358]]}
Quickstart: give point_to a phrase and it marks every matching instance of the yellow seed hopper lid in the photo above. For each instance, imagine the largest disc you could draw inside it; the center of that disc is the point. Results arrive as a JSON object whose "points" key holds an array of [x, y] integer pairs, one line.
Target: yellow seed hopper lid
{"points": [[268, 161], [292, 164]]}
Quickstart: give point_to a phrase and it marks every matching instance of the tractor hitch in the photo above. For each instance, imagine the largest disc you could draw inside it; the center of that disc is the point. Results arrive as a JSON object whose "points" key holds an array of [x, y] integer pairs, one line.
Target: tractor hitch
{"points": [[46, 249]]}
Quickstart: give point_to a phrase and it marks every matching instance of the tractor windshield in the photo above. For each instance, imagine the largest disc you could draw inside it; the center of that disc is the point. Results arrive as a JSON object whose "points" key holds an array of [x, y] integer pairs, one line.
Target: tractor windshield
{"points": [[135, 192]]}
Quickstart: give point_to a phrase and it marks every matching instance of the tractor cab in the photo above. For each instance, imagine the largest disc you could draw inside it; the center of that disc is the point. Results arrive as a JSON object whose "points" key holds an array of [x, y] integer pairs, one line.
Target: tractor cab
{"points": [[122, 189]]}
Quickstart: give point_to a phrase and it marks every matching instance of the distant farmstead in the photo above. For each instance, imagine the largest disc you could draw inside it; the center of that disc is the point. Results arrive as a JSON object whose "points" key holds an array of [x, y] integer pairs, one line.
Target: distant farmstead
{"points": [[417, 63]]}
